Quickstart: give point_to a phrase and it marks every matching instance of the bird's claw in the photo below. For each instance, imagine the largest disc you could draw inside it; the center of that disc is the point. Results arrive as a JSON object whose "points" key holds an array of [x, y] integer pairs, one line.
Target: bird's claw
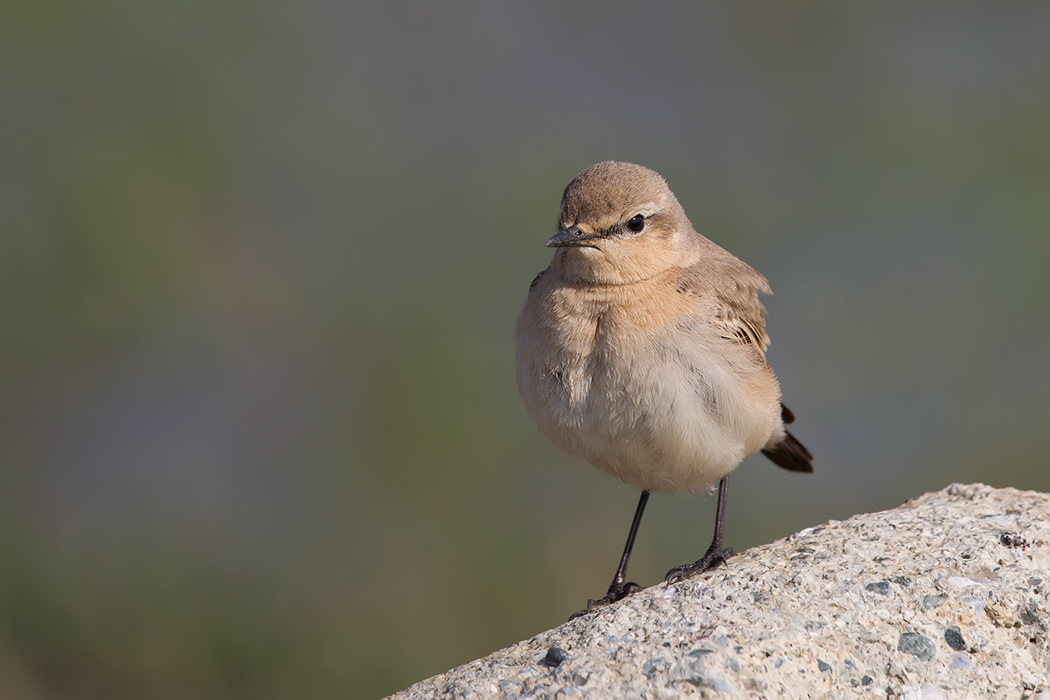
{"points": [[712, 559], [617, 592]]}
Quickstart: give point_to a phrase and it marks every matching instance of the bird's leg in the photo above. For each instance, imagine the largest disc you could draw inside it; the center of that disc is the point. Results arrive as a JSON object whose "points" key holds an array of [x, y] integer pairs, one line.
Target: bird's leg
{"points": [[715, 555], [619, 589]]}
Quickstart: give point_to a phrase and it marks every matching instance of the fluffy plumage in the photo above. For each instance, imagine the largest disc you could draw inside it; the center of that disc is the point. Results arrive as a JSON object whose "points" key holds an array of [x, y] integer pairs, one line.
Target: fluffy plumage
{"points": [[644, 352]]}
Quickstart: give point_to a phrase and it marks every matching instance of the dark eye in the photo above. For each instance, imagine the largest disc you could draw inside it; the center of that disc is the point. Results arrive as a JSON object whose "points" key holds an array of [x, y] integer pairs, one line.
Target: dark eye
{"points": [[636, 223]]}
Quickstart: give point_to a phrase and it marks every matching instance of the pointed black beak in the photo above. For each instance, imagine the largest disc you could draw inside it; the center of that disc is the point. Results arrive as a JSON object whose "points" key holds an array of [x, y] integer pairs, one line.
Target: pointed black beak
{"points": [[571, 236]]}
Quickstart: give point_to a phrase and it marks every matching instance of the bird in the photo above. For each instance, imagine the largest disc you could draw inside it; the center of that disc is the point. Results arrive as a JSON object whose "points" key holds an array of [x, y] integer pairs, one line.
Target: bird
{"points": [[642, 349]]}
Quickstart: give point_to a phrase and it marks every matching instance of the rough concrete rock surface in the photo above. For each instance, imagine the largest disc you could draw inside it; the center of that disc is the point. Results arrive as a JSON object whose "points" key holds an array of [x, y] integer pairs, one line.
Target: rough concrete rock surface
{"points": [[945, 597]]}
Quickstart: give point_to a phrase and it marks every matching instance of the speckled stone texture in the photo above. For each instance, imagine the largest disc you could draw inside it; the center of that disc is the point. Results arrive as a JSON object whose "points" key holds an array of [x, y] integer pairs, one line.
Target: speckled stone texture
{"points": [[943, 597]]}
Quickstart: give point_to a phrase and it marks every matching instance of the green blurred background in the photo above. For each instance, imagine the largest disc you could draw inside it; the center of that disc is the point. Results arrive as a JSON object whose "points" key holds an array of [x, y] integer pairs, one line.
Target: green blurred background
{"points": [[261, 265]]}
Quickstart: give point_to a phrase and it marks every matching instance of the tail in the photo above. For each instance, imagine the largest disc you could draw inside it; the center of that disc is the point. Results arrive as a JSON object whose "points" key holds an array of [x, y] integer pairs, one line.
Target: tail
{"points": [[789, 453]]}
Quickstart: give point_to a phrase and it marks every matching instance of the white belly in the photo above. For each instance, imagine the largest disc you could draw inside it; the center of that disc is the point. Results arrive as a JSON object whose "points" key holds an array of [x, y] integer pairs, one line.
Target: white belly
{"points": [[664, 417]]}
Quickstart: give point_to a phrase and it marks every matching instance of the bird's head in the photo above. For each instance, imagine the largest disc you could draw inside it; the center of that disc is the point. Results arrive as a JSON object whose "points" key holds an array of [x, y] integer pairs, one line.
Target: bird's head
{"points": [[619, 224]]}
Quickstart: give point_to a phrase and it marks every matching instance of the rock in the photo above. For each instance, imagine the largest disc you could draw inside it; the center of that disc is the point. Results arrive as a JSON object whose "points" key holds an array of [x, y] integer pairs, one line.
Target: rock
{"points": [[953, 637], [928, 600], [917, 645], [554, 657], [880, 587]]}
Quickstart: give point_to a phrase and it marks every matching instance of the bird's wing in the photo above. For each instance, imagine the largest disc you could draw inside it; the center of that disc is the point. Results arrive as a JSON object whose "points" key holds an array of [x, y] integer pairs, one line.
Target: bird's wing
{"points": [[744, 323], [732, 287]]}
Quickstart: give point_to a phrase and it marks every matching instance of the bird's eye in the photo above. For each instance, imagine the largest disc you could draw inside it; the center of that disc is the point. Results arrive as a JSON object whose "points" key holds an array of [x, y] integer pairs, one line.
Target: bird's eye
{"points": [[636, 223]]}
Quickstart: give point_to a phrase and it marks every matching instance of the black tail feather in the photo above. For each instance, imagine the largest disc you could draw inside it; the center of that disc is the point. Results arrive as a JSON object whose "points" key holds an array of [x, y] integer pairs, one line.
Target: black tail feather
{"points": [[790, 454]]}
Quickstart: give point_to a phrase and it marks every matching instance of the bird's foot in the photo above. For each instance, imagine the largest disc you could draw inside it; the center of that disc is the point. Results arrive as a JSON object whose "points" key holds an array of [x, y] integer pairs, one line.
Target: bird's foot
{"points": [[714, 557], [617, 592]]}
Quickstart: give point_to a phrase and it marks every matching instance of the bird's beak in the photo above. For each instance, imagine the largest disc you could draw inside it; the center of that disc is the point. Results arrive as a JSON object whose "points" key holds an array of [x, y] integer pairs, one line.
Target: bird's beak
{"points": [[571, 236]]}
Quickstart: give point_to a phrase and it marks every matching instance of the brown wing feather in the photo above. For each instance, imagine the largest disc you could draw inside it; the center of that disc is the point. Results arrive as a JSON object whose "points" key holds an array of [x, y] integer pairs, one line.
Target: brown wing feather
{"points": [[734, 287], [745, 311]]}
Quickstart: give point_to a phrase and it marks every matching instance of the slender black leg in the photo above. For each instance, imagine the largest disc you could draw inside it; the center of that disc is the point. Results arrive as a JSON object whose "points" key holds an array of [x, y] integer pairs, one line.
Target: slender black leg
{"points": [[618, 589], [715, 555]]}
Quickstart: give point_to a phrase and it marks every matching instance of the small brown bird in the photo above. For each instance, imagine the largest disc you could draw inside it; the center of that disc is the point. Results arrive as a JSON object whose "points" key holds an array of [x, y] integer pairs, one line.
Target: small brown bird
{"points": [[641, 348]]}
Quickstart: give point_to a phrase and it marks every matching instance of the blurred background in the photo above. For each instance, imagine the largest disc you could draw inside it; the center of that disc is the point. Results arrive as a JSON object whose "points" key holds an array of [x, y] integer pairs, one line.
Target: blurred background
{"points": [[260, 266]]}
